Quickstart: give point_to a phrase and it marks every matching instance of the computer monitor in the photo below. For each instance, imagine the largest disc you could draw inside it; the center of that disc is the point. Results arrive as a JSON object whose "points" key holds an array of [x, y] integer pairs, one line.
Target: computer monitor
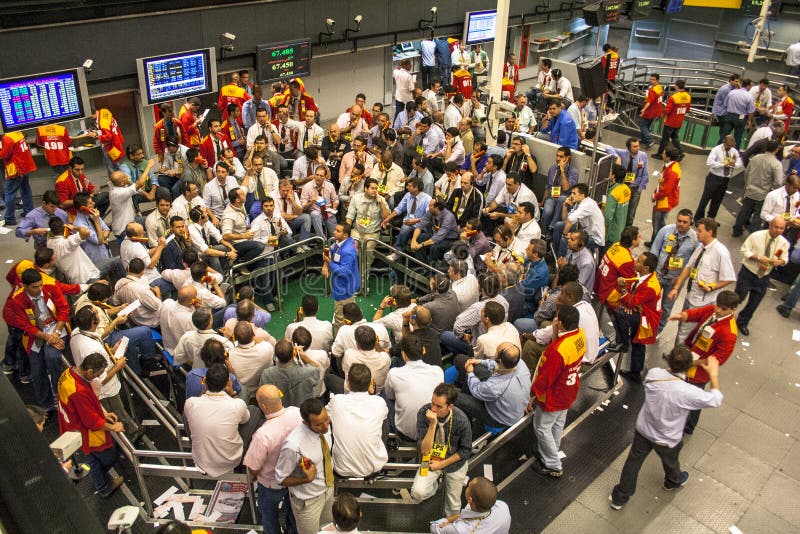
{"points": [[179, 75], [480, 26]]}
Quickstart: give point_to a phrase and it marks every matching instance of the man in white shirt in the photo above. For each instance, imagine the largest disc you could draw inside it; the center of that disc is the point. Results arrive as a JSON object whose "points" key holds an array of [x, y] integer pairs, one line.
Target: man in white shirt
{"points": [[121, 193], [215, 193], [212, 421], [524, 114], [270, 228], [188, 199], [345, 336], [235, 228], [709, 270], [309, 133], [208, 290], [463, 283], [248, 358], [263, 127], [188, 349], [578, 115], [175, 318], [782, 202], [364, 352], [431, 94], [580, 209], [563, 86], [498, 330], [135, 287], [453, 113], [404, 84], [321, 331], [310, 482], [524, 226], [263, 183], [509, 199], [399, 298], [722, 162], [357, 422], [70, 257], [408, 387], [135, 246]]}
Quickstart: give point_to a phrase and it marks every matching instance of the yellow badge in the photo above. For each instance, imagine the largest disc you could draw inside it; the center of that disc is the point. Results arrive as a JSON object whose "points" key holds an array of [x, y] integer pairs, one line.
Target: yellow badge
{"points": [[364, 221], [382, 188], [555, 191], [693, 274], [630, 177], [439, 451], [676, 263], [703, 343]]}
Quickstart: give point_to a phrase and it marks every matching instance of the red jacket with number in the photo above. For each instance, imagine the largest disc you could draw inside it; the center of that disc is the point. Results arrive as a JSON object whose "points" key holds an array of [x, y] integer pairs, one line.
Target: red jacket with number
{"points": [[79, 410], [56, 142], [160, 135], [112, 139], [16, 154], [668, 193], [616, 262], [13, 278], [231, 94], [21, 314], [208, 148], [613, 64], [557, 376], [189, 132], [721, 345], [646, 299], [678, 105]]}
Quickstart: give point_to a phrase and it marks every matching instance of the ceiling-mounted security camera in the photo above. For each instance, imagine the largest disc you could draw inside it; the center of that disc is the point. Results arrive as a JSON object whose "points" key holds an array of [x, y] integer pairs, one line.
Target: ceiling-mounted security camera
{"points": [[434, 9], [229, 36], [358, 19], [87, 65]]}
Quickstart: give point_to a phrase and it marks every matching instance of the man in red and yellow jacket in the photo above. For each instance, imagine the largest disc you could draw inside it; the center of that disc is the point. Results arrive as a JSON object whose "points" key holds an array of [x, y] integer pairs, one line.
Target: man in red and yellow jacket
{"points": [[783, 108], [190, 122], [165, 128], [297, 100], [636, 320], [555, 387], [668, 192], [715, 335], [18, 161], [72, 181], [678, 105], [231, 94], [617, 263], [651, 110], [214, 144], [79, 410], [42, 313]]}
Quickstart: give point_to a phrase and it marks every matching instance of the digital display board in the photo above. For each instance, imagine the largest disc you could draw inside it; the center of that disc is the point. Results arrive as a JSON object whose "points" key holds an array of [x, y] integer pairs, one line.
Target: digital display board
{"points": [[602, 13], [280, 61], [29, 101], [180, 75], [480, 26], [752, 8], [640, 9]]}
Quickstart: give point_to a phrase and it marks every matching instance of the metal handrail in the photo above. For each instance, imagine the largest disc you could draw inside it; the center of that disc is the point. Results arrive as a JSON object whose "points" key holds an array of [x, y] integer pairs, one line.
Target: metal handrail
{"points": [[165, 417]]}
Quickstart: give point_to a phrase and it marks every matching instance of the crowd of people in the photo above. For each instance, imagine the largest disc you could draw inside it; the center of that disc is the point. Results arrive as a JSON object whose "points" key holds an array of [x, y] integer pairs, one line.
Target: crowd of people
{"points": [[300, 407]]}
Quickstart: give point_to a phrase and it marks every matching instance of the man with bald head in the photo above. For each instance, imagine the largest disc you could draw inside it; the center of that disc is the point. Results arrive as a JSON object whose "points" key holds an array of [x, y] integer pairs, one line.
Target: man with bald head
{"points": [[497, 388], [176, 317], [418, 320], [262, 455], [122, 196]]}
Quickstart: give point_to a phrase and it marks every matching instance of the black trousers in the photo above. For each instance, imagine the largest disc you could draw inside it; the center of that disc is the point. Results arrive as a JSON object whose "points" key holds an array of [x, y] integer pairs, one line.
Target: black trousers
{"points": [[640, 449], [625, 326], [750, 287], [731, 122], [668, 133], [749, 215], [713, 193]]}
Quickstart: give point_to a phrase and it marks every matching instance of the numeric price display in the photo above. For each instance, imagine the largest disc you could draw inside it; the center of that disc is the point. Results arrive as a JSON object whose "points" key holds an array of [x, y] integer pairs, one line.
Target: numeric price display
{"points": [[280, 61]]}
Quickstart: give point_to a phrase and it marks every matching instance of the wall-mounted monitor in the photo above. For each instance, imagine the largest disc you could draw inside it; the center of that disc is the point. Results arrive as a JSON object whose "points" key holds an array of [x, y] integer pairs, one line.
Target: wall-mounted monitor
{"points": [[179, 75], [30, 101], [640, 9], [480, 26], [281, 61]]}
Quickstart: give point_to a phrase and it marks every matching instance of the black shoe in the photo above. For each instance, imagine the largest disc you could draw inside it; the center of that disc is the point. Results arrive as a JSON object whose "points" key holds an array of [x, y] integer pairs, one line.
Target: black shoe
{"points": [[737, 232], [115, 483], [743, 330], [618, 347], [540, 468], [632, 376], [669, 486], [783, 310], [648, 244]]}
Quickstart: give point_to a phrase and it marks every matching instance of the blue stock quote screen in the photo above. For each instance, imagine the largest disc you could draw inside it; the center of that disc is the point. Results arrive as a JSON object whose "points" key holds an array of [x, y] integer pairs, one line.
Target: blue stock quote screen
{"points": [[176, 76], [50, 98]]}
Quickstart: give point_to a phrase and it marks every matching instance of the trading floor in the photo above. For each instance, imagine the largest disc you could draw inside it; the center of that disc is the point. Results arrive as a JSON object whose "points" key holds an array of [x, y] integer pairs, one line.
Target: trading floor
{"points": [[741, 459]]}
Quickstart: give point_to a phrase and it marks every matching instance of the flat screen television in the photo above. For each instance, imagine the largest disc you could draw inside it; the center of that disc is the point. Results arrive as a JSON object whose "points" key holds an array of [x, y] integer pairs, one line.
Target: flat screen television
{"points": [[281, 61], [179, 75], [30, 101], [480, 26]]}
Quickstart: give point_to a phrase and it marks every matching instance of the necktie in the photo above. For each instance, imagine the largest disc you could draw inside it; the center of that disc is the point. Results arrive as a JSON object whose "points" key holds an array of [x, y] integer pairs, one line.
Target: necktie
{"points": [[204, 234], [283, 137], [78, 184], [285, 207], [224, 192], [696, 265], [413, 209], [323, 209], [727, 170], [630, 164], [219, 148], [309, 170], [272, 229], [786, 204], [326, 461], [305, 139], [768, 250]]}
